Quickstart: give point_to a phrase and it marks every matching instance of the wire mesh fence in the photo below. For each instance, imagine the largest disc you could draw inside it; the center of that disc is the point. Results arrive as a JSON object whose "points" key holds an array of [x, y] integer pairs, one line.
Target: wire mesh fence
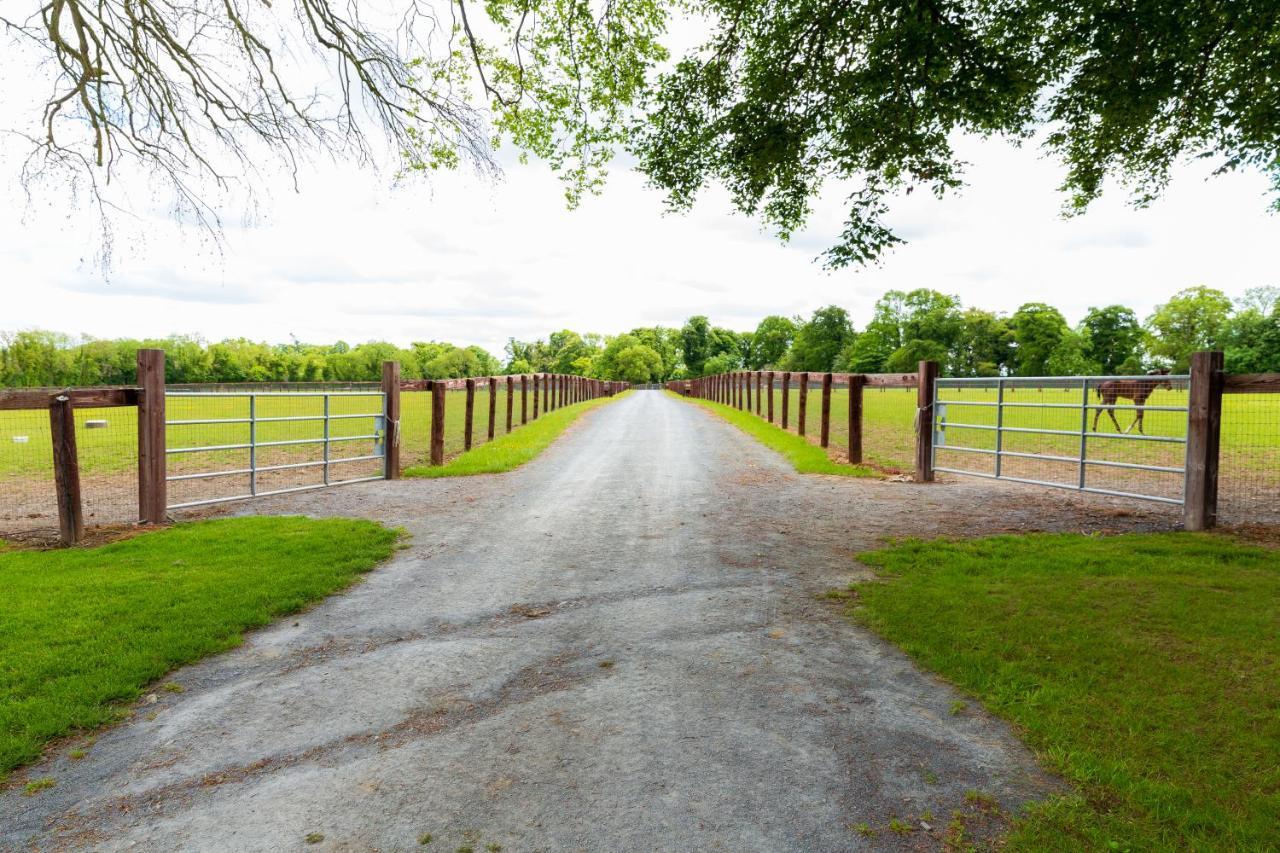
{"points": [[107, 443], [1249, 459]]}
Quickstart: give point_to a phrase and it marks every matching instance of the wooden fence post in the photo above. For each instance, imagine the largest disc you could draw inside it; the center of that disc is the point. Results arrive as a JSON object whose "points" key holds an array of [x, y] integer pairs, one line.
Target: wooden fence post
{"points": [[511, 398], [1204, 431], [768, 378], [437, 423], [826, 410], [786, 398], [66, 470], [804, 403], [493, 403], [856, 382], [757, 393], [469, 425], [524, 399], [927, 376], [391, 428], [152, 488]]}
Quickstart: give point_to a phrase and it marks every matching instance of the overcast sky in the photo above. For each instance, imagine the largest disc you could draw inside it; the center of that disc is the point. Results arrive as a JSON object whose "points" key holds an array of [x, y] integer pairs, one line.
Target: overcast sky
{"points": [[469, 261]]}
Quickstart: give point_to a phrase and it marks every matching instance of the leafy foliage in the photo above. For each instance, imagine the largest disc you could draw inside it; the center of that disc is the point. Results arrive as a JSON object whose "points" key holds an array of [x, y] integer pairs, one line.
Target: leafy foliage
{"points": [[785, 97]]}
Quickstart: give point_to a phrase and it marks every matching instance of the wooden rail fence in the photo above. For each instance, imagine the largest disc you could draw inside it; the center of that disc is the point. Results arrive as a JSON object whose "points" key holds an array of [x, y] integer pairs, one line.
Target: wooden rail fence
{"points": [[549, 391], [1208, 384]]}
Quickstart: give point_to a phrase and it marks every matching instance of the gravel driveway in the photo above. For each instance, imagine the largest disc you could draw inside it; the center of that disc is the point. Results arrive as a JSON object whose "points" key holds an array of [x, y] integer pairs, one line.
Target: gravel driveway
{"points": [[620, 646]]}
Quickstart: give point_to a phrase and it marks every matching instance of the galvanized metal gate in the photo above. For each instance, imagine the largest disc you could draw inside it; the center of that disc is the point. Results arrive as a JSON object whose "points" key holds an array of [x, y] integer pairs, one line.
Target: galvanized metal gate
{"points": [[242, 416], [1064, 432]]}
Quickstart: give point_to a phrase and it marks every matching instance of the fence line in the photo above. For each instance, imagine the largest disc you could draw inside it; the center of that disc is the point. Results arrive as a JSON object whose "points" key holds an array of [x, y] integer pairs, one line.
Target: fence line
{"points": [[755, 391], [150, 455]]}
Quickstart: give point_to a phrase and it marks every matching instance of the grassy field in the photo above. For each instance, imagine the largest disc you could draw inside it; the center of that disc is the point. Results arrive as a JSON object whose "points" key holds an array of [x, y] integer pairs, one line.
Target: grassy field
{"points": [[507, 452], [803, 456], [83, 630], [1145, 669]]}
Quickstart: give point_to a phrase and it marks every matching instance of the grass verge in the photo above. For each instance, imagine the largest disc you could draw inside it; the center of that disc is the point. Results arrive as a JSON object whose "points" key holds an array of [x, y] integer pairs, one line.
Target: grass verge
{"points": [[515, 448], [804, 457], [83, 630], [1143, 668]]}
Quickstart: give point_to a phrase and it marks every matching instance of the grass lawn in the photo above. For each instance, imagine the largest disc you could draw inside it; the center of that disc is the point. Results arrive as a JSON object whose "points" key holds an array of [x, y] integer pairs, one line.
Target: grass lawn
{"points": [[1145, 669], [83, 630], [805, 457], [511, 450]]}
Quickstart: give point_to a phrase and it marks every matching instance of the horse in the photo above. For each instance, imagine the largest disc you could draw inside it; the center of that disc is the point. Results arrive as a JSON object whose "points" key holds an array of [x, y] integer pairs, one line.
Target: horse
{"points": [[1137, 390]]}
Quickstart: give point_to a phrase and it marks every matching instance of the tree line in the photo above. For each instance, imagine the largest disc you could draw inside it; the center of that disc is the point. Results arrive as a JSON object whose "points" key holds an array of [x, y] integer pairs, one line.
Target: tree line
{"points": [[906, 327]]}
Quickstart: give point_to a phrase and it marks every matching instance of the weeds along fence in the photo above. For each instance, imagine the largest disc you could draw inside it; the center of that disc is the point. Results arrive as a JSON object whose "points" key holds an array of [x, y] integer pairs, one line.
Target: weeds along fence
{"points": [[1209, 442], [79, 457]]}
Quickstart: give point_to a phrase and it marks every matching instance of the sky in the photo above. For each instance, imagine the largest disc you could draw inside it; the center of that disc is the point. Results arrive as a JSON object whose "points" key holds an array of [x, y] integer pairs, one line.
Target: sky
{"points": [[351, 257]]}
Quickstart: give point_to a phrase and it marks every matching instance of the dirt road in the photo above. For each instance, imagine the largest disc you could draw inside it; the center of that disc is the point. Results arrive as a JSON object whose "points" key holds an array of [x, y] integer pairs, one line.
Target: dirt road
{"points": [[620, 646]]}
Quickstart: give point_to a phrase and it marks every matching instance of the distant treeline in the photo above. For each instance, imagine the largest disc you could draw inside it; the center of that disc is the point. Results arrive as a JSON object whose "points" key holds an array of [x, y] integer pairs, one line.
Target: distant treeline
{"points": [[907, 327]]}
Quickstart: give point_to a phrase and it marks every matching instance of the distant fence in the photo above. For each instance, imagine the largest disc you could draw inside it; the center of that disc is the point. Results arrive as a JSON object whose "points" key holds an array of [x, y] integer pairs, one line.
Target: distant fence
{"points": [[77, 457], [1219, 435]]}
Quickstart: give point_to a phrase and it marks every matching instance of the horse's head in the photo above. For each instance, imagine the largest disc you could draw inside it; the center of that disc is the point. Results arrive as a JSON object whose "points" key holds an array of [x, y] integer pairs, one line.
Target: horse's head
{"points": [[1161, 383]]}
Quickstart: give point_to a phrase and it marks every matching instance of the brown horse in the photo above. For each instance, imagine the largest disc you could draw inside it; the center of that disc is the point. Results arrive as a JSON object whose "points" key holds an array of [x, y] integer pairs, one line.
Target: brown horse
{"points": [[1137, 390]]}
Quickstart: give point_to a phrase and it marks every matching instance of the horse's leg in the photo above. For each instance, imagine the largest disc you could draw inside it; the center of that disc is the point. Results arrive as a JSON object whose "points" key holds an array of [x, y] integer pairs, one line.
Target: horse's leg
{"points": [[1112, 412], [1138, 421]]}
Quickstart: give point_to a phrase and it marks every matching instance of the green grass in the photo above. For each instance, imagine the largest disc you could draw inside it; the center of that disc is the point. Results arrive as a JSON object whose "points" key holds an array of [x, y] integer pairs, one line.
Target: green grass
{"points": [[83, 630], [511, 450], [1143, 668], [805, 457]]}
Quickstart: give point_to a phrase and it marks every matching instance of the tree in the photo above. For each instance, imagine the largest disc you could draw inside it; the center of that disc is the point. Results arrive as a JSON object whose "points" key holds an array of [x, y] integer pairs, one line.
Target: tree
{"points": [[985, 347], [1037, 331], [1070, 357], [770, 341], [819, 341], [722, 363], [666, 343], [1194, 319], [695, 344], [1264, 300], [1112, 337], [907, 358], [870, 350], [202, 89], [1251, 342], [782, 98], [637, 364]]}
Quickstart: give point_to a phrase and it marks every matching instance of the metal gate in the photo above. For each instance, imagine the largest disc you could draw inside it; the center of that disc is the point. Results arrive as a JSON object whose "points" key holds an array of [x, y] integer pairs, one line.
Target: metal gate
{"points": [[263, 432], [1111, 435]]}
